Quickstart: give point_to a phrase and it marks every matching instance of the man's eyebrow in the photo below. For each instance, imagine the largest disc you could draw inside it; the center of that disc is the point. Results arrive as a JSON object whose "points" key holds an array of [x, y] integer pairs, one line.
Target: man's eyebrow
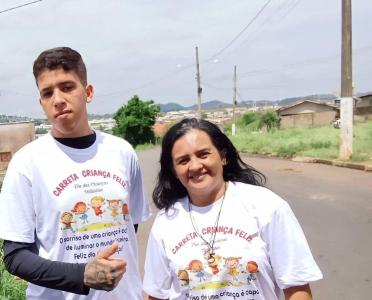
{"points": [[45, 89], [60, 83]]}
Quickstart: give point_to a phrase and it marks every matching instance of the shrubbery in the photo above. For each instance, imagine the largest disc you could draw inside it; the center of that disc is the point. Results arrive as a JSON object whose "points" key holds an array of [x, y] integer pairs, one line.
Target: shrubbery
{"points": [[10, 288]]}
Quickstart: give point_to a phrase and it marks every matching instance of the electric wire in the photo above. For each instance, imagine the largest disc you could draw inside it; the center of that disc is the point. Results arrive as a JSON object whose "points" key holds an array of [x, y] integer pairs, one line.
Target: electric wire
{"points": [[19, 6], [241, 32]]}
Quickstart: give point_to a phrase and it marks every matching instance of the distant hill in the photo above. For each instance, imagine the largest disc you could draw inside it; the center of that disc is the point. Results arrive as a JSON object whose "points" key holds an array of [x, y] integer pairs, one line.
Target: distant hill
{"points": [[215, 104], [171, 107]]}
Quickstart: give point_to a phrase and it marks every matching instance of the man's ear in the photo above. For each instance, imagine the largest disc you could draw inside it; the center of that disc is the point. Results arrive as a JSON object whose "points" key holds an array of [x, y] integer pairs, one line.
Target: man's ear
{"points": [[89, 92]]}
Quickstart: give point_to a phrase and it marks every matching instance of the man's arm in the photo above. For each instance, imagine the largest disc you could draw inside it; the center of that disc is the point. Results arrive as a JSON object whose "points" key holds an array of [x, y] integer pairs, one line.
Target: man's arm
{"points": [[302, 292], [102, 273], [153, 298], [22, 260]]}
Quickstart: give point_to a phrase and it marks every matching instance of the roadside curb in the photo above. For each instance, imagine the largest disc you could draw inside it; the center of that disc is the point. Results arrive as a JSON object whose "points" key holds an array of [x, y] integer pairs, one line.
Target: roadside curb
{"points": [[307, 159], [336, 163]]}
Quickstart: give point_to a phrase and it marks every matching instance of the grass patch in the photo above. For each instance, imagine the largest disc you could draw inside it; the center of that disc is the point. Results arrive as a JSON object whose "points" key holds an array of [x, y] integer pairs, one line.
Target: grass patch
{"points": [[142, 147], [10, 288], [320, 142]]}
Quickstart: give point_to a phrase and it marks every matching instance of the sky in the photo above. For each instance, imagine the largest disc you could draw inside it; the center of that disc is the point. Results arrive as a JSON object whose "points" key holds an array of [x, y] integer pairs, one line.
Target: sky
{"points": [[281, 49]]}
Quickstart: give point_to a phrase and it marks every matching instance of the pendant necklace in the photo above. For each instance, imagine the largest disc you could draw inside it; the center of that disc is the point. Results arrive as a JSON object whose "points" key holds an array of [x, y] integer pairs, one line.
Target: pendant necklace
{"points": [[210, 244]]}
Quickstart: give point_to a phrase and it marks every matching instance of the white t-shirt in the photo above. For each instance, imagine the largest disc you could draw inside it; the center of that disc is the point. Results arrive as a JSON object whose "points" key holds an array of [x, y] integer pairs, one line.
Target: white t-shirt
{"points": [[74, 203], [259, 249]]}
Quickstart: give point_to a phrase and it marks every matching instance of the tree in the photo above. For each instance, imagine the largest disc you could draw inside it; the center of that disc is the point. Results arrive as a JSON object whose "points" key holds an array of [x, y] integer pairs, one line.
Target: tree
{"points": [[249, 117], [270, 119], [134, 121]]}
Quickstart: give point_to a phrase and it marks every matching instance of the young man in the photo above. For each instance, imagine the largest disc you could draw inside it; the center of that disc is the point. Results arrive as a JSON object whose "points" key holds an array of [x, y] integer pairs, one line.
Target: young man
{"points": [[60, 232]]}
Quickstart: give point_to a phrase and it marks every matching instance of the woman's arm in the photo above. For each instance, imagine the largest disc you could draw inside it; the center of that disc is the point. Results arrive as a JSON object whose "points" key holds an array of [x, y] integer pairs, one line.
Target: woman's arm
{"points": [[302, 292]]}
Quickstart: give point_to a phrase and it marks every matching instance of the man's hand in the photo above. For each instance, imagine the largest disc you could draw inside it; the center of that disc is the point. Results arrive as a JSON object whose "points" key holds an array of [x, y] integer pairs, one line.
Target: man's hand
{"points": [[104, 273]]}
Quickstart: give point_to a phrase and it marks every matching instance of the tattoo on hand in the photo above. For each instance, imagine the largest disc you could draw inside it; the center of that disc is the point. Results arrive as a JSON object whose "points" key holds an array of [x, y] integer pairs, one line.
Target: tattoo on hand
{"points": [[101, 275]]}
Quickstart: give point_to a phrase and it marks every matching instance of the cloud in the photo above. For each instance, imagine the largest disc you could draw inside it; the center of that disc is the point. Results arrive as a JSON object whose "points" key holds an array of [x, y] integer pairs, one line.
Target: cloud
{"points": [[147, 48]]}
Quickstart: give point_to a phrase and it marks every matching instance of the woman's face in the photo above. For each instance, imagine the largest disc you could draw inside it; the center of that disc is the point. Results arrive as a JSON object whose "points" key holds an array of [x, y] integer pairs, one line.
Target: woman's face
{"points": [[199, 167]]}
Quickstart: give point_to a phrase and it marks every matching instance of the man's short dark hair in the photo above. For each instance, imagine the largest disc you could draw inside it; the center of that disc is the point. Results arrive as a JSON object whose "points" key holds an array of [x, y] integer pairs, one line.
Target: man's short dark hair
{"points": [[61, 57]]}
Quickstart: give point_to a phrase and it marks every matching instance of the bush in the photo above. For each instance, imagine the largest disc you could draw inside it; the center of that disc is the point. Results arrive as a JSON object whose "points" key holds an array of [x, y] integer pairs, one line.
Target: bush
{"points": [[249, 118], [270, 120], [10, 288]]}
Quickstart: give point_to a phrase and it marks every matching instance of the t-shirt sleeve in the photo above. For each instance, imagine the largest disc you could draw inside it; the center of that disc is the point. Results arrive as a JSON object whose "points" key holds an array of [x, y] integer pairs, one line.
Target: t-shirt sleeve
{"points": [[17, 214], [138, 204], [289, 252], [157, 280]]}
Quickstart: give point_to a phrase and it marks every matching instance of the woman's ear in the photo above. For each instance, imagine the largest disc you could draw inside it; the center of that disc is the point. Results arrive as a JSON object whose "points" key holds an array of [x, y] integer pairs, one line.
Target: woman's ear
{"points": [[223, 157]]}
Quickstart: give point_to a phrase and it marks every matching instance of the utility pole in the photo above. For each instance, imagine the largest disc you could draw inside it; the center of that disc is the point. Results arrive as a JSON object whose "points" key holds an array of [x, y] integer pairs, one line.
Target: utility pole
{"points": [[346, 103], [233, 127], [198, 81]]}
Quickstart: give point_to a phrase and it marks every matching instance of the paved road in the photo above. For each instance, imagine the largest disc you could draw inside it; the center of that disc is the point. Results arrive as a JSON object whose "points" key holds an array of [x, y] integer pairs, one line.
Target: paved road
{"points": [[334, 207]]}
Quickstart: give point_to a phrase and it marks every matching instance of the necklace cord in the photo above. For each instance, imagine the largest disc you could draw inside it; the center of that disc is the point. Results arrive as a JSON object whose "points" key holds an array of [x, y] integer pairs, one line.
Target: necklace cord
{"points": [[213, 236]]}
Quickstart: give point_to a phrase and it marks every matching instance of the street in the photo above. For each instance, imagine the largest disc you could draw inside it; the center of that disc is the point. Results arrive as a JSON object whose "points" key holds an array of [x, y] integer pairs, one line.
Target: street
{"points": [[334, 207]]}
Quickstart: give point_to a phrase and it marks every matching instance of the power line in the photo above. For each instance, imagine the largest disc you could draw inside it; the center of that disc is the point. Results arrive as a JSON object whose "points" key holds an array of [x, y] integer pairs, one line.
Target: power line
{"points": [[258, 32], [19, 6], [241, 32], [304, 63], [278, 16]]}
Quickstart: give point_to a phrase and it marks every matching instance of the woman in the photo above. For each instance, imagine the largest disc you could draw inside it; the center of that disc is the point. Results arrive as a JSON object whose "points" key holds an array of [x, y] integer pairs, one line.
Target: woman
{"points": [[233, 237]]}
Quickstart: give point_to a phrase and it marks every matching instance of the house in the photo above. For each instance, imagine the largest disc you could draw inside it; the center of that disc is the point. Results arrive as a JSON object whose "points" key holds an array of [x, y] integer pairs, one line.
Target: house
{"points": [[160, 128], [12, 137], [363, 105], [307, 113]]}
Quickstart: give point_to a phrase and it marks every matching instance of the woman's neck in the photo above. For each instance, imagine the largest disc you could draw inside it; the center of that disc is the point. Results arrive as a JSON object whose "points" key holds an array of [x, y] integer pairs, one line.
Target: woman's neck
{"points": [[209, 198]]}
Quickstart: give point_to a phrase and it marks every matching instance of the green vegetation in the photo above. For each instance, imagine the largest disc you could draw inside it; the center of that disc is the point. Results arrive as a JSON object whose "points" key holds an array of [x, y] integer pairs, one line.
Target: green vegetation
{"points": [[321, 142], [41, 131], [10, 288], [146, 146], [134, 121]]}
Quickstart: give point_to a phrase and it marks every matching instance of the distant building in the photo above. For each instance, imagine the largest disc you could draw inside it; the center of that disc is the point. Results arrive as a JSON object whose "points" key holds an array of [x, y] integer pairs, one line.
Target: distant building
{"points": [[308, 113], [103, 124], [160, 128], [12, 137], [363, 105]]}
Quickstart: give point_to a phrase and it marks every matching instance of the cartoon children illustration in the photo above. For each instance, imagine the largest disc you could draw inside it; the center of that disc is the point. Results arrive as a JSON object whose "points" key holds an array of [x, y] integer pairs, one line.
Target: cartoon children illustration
{"points": [[212, 260], [114, 206], [251, 268], [183, 277], [125, 211], [80, 208], [196, 266], [232, 263], [66, 220], [96, 204]]}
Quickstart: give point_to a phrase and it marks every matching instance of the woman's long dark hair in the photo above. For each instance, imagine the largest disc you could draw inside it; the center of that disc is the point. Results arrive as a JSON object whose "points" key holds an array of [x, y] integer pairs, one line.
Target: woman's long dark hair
{"points": [[168, 188]]}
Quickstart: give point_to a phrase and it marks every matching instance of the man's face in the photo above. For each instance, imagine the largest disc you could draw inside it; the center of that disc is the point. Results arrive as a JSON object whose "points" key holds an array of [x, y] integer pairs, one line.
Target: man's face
{"points": [[63, 99]]}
